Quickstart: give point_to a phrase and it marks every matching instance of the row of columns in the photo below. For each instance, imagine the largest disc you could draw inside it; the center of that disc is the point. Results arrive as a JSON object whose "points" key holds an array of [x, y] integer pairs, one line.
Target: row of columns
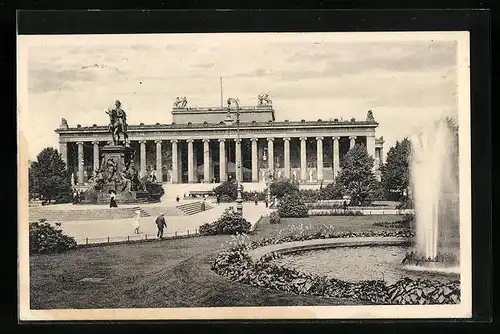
{"points": [[370, 145]]}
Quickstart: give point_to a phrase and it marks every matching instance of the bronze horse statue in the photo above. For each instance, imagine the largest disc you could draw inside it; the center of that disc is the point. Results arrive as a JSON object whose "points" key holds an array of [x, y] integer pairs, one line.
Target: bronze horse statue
{"points": [[117, 126]]}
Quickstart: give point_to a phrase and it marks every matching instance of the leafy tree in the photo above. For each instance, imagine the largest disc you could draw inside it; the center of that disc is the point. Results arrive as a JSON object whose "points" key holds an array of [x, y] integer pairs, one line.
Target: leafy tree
{"points": [[227, 190], [282, 188], [396, 170], [356, 176], [48, 175], [331, 191]]}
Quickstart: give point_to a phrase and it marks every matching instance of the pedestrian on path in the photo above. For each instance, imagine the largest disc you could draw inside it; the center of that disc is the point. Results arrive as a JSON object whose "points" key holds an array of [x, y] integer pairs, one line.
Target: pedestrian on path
{"points": [[256, 199], [112, 201], [218, 199], [137, 222], [203, 205], [160, 223]]}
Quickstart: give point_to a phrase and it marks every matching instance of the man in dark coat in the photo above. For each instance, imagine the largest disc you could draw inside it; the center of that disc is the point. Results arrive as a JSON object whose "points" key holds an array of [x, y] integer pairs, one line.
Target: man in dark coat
{"points": [[160, 223]]}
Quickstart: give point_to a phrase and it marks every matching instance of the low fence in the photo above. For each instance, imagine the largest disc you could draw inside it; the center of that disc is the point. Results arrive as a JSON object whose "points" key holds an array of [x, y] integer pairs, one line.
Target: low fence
{"points": [[136, 238]]}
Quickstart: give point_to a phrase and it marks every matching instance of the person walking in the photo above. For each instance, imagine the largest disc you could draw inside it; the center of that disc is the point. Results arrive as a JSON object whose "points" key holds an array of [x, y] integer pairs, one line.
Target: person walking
{"points": [[160, 223], [177, 199], [137, 222], [203, 204], [218, 199], [112, 201], [256, 199]]}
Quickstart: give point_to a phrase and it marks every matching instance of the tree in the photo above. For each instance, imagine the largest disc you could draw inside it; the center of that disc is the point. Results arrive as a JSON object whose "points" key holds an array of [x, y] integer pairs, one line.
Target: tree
{"points": [[396, 170], [356, 176], [331, 191], [48, 175], [282, 188]]}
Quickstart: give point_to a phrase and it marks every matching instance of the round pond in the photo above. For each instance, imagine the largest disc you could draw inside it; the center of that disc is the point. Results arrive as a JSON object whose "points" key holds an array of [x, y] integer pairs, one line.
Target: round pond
{"points": [[354, 264]]}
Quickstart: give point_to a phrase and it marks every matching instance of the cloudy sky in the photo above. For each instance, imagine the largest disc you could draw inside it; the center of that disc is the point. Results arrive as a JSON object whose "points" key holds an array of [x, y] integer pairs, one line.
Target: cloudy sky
{"points": [[406, 82]]}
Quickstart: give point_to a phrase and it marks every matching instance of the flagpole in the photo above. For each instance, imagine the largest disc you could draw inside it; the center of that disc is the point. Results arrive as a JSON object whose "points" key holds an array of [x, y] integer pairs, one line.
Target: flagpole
{"points": [[221, 96]]}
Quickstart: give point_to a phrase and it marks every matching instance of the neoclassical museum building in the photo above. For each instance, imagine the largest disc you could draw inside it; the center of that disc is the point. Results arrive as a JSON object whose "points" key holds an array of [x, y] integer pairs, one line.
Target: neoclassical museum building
{"points": [[208, 144]]}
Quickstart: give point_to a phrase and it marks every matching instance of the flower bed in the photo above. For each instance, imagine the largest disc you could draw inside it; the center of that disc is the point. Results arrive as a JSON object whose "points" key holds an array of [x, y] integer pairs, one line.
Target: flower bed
{"points": [[236, 264]]}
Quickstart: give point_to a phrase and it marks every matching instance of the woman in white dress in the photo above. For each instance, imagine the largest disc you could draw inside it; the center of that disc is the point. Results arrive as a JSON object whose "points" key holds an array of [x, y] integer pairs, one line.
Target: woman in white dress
{"points": [[137, 222]]}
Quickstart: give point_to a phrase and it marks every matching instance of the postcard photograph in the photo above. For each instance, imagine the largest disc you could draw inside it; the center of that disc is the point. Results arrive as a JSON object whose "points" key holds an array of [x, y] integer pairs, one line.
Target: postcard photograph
{"points": [[244, 176]]}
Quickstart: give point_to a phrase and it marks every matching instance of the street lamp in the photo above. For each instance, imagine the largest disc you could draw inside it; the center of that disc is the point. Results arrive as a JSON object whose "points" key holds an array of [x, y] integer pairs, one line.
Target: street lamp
{"points": [[239, 200]]}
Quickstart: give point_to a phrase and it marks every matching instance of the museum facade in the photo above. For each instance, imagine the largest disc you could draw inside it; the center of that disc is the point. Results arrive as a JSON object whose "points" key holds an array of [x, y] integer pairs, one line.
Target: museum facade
{"points": [[210, 145]]}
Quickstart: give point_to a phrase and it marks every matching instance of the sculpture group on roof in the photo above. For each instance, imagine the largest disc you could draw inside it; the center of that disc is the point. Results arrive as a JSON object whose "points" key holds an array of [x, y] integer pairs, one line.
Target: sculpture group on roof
{"points": [[264, 100], [180, 102]]}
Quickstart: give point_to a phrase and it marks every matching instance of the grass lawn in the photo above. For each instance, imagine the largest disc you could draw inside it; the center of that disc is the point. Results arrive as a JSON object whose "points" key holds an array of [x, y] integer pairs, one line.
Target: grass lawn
{"points": [[169, 273]]}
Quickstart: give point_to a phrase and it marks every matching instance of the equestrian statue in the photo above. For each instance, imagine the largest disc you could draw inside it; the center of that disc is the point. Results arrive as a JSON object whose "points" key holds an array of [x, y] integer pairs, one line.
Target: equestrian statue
{"points": [[117, 123]]}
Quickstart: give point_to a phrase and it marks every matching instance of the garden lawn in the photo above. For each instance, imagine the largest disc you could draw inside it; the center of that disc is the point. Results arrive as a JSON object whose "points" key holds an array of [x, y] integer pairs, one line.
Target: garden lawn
{"points": [[169, 273]]}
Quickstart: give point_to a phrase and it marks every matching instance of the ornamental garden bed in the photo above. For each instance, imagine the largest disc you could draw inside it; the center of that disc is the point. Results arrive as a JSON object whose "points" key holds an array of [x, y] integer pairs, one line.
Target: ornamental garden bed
{"points": [[237, 265]]}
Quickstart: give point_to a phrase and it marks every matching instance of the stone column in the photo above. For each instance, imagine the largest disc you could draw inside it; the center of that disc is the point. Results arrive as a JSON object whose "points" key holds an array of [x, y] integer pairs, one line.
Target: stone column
{"points": [[336, 157], [255, 167], [175, 162], [270, 155], [190, 161], [222, 160], [80, 162], [319, 157], [159, 172], [352, 142], [303, 159], [63, 149], [237, 159], [206, 160], [96, 155], [143, 157], [286, 149], [370, 148]]}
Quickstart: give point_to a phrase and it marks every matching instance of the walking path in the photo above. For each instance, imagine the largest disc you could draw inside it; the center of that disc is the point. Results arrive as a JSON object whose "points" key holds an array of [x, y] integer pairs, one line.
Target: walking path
{"points": [[98, 231]]}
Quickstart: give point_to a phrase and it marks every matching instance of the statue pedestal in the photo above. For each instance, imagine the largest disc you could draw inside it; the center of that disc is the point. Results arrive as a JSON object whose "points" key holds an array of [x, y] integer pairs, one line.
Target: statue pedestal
{"points": [[121, 156]]}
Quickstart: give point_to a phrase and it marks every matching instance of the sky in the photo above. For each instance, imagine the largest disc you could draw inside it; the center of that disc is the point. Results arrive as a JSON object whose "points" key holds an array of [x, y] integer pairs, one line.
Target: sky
{"points": [[407, 82]]}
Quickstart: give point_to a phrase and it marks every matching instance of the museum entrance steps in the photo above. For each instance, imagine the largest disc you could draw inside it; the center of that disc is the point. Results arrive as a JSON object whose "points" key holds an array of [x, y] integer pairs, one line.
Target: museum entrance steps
{"points": [[193, 208]]}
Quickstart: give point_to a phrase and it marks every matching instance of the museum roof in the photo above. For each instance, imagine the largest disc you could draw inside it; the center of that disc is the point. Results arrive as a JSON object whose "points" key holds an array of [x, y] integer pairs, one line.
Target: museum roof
{"points": [[222, 125]]}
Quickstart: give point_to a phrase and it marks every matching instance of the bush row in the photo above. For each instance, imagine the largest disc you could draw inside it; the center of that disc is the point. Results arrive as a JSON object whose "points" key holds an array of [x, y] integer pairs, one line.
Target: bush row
{"points": [[235, 264], [404, 222]]}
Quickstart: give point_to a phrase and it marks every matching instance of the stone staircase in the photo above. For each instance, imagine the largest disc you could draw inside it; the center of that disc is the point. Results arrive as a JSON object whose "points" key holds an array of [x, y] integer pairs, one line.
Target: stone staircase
{"points": [[193, 208], [35, 214]]}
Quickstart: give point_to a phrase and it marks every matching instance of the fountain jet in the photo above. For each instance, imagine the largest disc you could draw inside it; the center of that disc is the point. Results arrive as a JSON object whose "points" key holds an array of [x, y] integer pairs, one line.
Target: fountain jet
{"points": [[434, 180]]}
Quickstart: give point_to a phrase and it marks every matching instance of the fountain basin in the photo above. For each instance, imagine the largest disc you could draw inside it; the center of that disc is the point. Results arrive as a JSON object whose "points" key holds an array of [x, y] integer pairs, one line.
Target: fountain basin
{"points": [[354, 259]]}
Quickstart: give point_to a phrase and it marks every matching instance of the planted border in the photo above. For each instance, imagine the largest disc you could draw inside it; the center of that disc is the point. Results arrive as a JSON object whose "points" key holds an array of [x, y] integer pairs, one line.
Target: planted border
{"points": [[236, 264]]}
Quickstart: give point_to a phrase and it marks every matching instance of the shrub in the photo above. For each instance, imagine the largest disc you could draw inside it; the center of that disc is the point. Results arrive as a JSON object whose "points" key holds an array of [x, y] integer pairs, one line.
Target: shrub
{"points": [[331, 191], [309, 195], [155, 190], [46, 239], [282, 188], [64, 197], [249, 196], [274, 218], [229, 223], [227, 189], [292, 206]]}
